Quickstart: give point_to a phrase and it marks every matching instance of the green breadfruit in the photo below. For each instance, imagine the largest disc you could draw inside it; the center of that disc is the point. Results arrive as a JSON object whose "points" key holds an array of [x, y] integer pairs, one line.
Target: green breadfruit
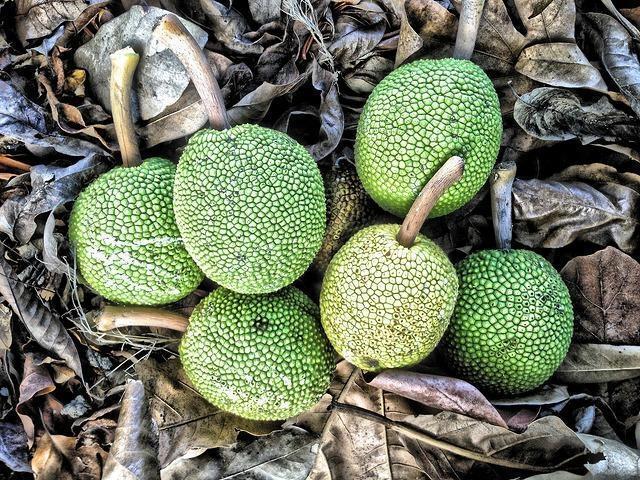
{"points": [[262, 357], [384, 305], [250, 204], [513, 323], [414, 120], [128, 247]]}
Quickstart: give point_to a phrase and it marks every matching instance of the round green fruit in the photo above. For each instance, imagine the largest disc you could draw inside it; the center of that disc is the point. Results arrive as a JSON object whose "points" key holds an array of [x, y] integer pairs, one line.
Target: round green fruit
{"points": [[513, 322], [261, 357], [416, 118], [128, 247], [249, 202], [384, 305]]}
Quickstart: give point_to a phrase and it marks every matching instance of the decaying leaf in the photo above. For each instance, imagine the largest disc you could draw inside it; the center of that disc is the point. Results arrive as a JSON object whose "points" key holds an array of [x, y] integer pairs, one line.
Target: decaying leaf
{"points": [[134, 452], [619, 461], [546, 395], [556, 114], [548, 20], [230, 27], [443, 393], [39, 18], [604, 293], [36, 382], [596, 363], [187, 423], [552, 214], [14, 452], [48, 462]]}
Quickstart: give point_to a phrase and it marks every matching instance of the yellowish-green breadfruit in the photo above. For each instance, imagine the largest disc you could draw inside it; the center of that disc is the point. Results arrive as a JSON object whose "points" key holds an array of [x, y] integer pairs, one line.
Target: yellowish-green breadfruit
{"points": [[128, 247], [249, 202], [262, 357], [513, 323], [384, 305], [416, 118]]}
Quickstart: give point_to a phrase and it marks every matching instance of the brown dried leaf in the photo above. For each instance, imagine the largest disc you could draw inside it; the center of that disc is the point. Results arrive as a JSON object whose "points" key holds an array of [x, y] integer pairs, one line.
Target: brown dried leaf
{"points": [[36, 382], [187, 423], [560, 65], [551, 214], [48, 462], [418, 12], [604, 293], [134, 452], [596, 363], [443, 393], [548, 20], [39, 18]]}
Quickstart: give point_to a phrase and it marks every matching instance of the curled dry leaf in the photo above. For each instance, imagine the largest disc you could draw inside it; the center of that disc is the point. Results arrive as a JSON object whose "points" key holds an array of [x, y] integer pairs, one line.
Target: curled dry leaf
{"points": [[560, 65], [160, 77], [48, 462], [604, 293], [36, 382], [14, 452], [551, 214], [39, 18], [620, 461], [443, 393], [596, 363], [331, 116], [614, 45], [417, 12], [44, 326], [230, 27], [548, 20], [187, 423], [134, 452], [558, 114]]}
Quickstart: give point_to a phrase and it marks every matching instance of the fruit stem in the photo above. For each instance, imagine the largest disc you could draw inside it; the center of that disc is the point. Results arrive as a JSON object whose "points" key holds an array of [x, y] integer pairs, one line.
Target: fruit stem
{"points": [[123, 67], [173, 35], [501, 182], [446, 176], [112, 317], [468, 28]]}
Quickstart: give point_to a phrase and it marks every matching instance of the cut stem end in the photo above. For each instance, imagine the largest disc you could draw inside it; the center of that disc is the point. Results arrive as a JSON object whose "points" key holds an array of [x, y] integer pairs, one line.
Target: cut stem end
{"points": [[468, 28]]}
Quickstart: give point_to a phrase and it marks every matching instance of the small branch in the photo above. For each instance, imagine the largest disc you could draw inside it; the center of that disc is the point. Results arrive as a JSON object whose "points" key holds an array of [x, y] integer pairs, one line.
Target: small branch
{"points": [[468, 28], [423, 437], [501, 181], [173, 35], [113, 317], [448, 174], [11, 163], [123, 67]]}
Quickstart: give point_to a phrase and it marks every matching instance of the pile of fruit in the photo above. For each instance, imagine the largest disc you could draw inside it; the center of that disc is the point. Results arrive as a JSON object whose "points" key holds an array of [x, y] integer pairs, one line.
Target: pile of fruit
{"points": [[246, 208]]}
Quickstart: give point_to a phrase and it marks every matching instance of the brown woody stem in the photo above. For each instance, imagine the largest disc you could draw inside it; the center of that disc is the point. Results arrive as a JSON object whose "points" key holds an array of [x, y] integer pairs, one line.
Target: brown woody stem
{"points": [[468, 28], [501, 182], [448, 174], [113, 317], [123, 67], [172, 34]]}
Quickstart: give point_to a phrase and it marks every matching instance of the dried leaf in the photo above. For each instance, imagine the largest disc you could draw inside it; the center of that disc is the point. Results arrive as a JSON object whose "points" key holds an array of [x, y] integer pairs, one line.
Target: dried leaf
{"points": [[604, 293], [230, 27], [551, 214], [14, 452], [134, 452], [614, 45], [6, 338], [546, 395], [409, 42], [160, 77], [619, 461], [50, 248], [48, 459], [366, 75], [548, 20], [264, 11], [44, 326], [560, 65], [595, 363], [443, 393], [39, 18], [557, 114], [331, 116], [50, 187], [187, 423], [36, 382]]}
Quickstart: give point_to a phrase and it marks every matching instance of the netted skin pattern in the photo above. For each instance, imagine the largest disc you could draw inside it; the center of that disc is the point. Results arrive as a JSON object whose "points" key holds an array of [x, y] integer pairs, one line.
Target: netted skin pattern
{"points": [[416, 118], [383, 305], [127, 244], [250, 204], [262, 357], [513, 323]]}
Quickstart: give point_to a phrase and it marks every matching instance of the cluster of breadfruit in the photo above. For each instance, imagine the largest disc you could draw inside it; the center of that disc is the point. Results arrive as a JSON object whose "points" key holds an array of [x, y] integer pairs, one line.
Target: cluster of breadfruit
{"points": [[245, 206]]}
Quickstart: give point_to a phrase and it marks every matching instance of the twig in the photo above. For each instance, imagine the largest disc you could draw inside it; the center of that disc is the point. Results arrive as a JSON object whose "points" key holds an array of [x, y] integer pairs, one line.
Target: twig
{"points": [[112, 317], [446, 176], [172, 34], [468, 28], [123, 67], [11, 163], [501, 182]]}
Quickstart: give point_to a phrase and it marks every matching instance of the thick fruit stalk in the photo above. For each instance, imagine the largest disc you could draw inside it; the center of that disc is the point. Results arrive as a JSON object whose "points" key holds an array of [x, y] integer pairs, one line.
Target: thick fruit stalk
{"points": [[501, 182], [468, 28], [112, 317]]}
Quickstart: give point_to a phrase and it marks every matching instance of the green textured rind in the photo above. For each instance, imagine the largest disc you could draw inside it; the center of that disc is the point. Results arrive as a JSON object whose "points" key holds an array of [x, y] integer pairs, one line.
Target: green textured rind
{"points": [[416, 118], [128, 247], [383, 305], [513, 323], [262, 357], [250, 204]]}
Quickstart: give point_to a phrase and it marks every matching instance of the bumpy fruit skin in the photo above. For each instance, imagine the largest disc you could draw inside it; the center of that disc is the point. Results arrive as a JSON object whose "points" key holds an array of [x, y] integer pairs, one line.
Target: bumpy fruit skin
{"points": [[250, 204], [262, 357], [416, 118], [513, 323], [383, 305], [128, 247]]}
